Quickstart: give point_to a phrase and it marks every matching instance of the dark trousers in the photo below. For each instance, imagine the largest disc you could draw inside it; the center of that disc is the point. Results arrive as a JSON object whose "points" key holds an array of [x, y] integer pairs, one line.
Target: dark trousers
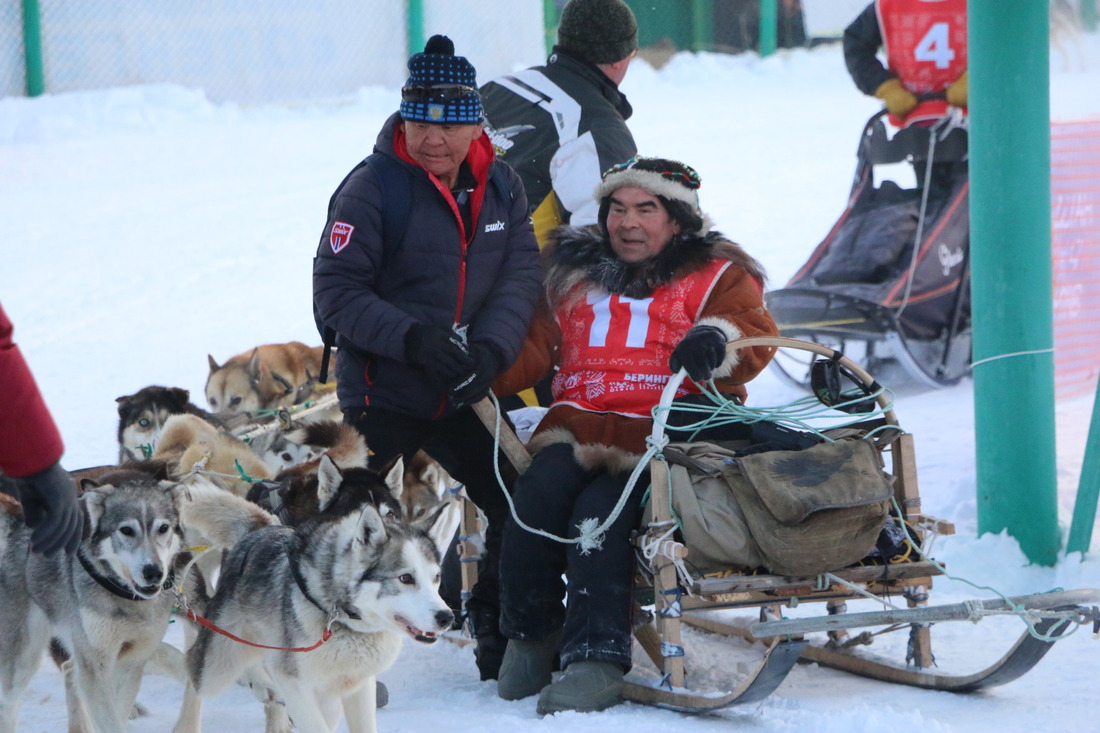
{"points": [[556, 494], [464, 447]]}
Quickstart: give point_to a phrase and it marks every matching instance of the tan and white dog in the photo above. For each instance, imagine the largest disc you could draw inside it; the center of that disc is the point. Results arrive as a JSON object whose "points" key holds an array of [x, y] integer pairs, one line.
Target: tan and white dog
{"points": [[189, 445], [268, 377]]}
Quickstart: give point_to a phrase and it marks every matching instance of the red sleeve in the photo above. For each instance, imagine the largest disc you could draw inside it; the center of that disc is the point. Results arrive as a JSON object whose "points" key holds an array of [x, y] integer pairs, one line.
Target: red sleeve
{"points": [[29, 439]]}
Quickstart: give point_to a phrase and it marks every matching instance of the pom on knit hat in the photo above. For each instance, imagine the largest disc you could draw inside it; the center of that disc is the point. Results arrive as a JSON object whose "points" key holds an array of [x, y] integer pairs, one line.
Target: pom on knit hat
{"points": [[599, 31], [442, 87], [673, 182]]}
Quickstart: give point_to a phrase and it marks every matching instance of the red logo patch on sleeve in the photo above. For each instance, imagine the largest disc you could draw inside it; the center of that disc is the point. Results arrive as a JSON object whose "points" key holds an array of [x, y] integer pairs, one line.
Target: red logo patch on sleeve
{"points": [[340, 236]]}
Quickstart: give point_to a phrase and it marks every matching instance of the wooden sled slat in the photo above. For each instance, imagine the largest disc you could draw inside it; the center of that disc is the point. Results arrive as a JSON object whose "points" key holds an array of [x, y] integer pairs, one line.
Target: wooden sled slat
{"points": [[772, 669]]}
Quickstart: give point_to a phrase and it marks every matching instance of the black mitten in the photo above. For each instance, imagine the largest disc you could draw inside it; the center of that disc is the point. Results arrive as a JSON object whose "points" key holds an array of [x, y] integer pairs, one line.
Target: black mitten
{"points": [[51, 510], [475, 385], [439, 352], [700, 352]]}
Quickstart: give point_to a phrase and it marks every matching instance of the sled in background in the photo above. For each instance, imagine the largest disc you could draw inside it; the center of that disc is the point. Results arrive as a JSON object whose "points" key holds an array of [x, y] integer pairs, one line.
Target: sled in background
{"points": [[891, 280], [897, 566]]}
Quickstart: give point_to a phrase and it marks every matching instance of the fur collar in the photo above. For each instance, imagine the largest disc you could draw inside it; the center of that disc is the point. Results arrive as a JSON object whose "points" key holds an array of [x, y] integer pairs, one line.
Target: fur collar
{"points": [[584, 255]]}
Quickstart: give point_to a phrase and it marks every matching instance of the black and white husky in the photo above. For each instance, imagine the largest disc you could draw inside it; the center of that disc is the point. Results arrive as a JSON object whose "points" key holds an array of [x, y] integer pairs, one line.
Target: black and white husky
{"points": [[358, 581], [106, 607]]}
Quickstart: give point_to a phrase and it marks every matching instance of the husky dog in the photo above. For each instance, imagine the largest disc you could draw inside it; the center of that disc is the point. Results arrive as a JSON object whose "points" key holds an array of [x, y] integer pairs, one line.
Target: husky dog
{"points": [[344, 444], [426, 493], [189, 444], [305, 490], [268, 377], [105, 607], [347, 576], [141, 418]]}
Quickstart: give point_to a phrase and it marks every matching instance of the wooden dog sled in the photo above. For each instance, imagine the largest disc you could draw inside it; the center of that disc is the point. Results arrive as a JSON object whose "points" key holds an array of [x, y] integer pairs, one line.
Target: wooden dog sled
{"points": [[678, 596]]}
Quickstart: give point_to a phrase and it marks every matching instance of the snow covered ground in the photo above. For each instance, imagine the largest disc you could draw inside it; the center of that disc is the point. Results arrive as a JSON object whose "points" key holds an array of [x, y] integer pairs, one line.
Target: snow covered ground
{"points": [[144, 228]]}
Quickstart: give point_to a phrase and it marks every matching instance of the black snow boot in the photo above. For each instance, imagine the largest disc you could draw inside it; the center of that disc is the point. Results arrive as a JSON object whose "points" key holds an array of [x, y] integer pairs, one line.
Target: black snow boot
{"points": [[485, 624]]}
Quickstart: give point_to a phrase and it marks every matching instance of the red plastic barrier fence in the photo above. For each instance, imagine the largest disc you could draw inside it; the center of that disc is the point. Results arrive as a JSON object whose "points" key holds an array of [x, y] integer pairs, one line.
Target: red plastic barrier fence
{"points": [[1075, 239]]}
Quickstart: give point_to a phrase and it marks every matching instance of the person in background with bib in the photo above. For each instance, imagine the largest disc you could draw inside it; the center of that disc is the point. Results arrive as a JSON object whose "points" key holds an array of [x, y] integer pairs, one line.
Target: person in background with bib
{"points": [[626, 306], [924, 43]]}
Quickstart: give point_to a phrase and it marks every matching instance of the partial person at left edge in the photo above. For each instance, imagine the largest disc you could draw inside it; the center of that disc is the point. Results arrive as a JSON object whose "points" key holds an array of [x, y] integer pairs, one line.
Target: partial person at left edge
{"points": [[428, 271], [30, 455]]}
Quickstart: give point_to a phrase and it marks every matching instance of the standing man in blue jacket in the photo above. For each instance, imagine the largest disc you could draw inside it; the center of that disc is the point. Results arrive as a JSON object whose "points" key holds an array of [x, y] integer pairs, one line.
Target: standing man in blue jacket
{"points": [[426, 317]]}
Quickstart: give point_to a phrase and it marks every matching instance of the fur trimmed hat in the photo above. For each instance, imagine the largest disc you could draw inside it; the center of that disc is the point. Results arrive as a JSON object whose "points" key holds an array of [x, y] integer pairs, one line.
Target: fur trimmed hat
{"points": [[442, 87], [599, 31], [673, 182]]}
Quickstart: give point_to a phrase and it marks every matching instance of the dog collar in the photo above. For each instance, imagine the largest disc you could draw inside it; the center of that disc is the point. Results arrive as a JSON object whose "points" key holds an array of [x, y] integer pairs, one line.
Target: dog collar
{"points": [[113, 586], [300, 581]]}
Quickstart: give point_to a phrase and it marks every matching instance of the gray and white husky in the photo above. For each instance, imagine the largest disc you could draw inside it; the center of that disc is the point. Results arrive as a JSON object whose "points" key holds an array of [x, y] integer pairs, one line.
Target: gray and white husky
{"points": [[106, 607], [349, 577]]}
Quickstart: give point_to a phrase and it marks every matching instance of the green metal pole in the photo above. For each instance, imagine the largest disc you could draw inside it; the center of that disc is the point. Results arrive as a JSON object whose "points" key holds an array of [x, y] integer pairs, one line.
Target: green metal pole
{"points": [[32, 47], [769, 23], [550, 23], [1088, 15], [1012, 273], [414, 33], [702, 25], [1088, 489]]}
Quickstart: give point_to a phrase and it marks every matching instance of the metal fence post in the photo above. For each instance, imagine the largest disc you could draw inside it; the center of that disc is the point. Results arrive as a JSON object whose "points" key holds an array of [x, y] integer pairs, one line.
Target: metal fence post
{"points": [[1009, 60], [769, 23], [702, 25], [414, 32], [1088, 15], [32, 47], [1088, 488]]}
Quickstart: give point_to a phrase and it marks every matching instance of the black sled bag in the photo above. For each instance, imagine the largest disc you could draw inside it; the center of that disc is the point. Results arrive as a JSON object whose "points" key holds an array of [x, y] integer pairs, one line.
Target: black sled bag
{"points": [[793, 512]]}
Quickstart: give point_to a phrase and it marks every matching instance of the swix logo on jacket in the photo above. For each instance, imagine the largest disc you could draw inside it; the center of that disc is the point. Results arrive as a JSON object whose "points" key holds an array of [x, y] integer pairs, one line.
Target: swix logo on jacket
{"points": [[340, 235], [496, 226], [615, 349], [925, 46]]}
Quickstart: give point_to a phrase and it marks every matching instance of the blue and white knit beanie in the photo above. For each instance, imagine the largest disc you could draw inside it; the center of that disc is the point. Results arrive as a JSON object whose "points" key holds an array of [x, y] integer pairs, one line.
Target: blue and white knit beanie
{"points": [[442, 87]]}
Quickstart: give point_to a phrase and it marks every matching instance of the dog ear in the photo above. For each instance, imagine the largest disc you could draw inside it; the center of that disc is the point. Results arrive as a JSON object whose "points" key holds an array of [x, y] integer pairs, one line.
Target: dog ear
{"points": [[393, 475], [213, 364], [93, 498], [432, 475], [178, 491], [328, 482], [178, 397], [428, 521], [254, 365], [372, 529]]}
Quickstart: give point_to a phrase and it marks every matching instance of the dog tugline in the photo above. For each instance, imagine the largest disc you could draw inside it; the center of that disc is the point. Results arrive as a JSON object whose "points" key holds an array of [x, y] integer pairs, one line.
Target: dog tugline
{"points": [[428, 273]]}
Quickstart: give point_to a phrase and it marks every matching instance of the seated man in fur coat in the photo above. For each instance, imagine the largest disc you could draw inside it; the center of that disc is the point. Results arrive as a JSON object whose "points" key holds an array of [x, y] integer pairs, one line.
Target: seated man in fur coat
{"points": [[651, 291]]}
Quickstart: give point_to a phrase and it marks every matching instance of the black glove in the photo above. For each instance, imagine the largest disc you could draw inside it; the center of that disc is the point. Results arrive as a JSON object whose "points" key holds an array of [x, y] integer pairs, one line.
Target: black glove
{"points": [[701, 351], [475, 385], [439, 352], [51, 510]]}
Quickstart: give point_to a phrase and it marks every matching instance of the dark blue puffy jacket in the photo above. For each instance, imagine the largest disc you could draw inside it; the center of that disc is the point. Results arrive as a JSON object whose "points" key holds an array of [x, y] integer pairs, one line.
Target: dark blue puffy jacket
{"points": [[371, 292]]}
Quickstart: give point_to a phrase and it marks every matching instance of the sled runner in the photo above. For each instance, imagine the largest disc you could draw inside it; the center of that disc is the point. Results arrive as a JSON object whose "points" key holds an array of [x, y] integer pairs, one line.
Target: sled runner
{"points": [[891, 281], [783, 502]]}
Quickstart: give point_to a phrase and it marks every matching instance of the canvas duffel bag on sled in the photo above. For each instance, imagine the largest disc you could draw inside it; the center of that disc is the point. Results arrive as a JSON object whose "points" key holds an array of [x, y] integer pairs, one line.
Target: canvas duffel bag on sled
{"points": [[794, 512]]}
